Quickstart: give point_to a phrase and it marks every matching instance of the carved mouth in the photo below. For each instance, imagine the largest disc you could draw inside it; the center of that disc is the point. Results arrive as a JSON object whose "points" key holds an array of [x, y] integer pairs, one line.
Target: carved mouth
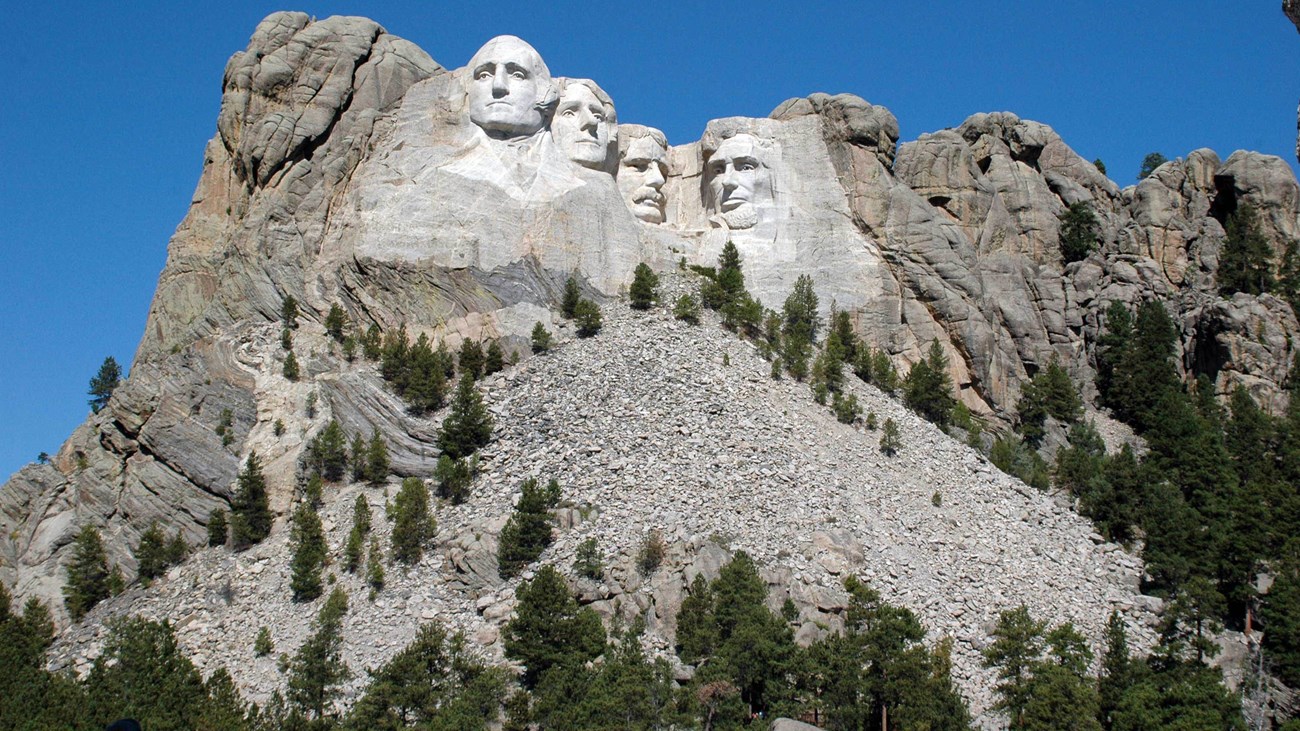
{"points": [[732, 204]]}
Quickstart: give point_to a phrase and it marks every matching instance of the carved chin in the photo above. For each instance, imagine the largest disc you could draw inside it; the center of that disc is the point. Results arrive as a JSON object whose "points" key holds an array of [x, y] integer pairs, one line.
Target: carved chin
{"points": [[648, 212], [743, 216]]}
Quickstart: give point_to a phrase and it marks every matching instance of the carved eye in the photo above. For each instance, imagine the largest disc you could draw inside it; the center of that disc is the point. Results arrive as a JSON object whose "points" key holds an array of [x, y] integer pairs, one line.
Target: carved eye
{"points": [[746, 167], [518, 75], [484, 74], [567, 113], [641, 167], [599, 117]]}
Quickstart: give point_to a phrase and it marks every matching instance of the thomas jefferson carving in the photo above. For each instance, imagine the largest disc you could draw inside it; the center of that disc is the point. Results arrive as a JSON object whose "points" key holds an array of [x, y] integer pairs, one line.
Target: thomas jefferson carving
{"points": [[585, 125]]}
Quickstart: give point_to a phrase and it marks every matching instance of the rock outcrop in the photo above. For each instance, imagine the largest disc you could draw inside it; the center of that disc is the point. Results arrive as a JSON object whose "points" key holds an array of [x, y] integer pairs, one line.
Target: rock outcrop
{"points": [[350, 168]]}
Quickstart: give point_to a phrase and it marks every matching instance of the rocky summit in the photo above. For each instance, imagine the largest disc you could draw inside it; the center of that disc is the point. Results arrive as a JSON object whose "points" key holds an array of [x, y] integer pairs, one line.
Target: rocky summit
{"points": [[352, 171]]}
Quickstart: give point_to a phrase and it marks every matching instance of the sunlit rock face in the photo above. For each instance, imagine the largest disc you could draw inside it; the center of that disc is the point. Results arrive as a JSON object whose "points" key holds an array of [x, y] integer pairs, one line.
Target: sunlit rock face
{"points": [[643, 170]]}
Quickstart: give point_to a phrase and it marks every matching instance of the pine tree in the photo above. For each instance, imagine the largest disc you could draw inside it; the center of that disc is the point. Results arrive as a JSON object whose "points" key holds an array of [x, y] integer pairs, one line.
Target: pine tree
{"points": [[569, 302], [307, 541], [730, 277], [927, 390], [1118, 670], [1078, 232], [250, 519], [1152, 161], [88, 575], [413, 525], [353, 549], [800, 311], [587, 316], [587, 561], [328, 452], [468, 426], [495, 360], [890, 439], [541, 338], [151, 553], [1246, 260], [358, 460], [335, 321], [548, 629], [471, 358], [372, 343], [143, 673], [104, 383], [1013, 652], [317, 670], [289, 311], [377, 462], [218, 528], [262, 645], [375, 566], [291, 370], [454, 477], [687, 309], [527, 532], [643, 291]]}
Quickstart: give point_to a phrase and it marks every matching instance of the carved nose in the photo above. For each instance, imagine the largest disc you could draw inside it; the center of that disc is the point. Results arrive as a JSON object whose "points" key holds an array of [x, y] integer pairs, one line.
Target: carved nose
{"points": [[499, 83], [589, 123], [654, 176]]}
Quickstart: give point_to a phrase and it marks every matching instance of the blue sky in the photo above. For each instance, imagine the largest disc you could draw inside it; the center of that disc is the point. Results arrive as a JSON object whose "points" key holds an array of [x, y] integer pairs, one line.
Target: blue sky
{"points": [[107, 107]]}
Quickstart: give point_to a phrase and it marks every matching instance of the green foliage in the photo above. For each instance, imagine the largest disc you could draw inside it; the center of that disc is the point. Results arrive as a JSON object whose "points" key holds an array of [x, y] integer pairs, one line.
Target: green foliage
{"points": [[327, 453], [218, 528], [890, 439], [358, 459], [687, 309], [225, 427], [375, 567], [588, 562], [352, 550], [1135, 362], [587, 315], [454, 477], [421, 377], [413, 525], [495, 360], [1101, 166], [1280, 614], [876, 368], [291, 370], [1152, 161], [878, 672], [541, 338], [471, 358], [435, 682], [800, 311], [309, 551], [151, 554], [1246, 259], [88, 575], [372, 343], [927, 390], [349, 348], [262, 645], [569, 302], [377, 463], [468, 426], [846, 408], [289, 311], [1078, 232], [317, 671], [652, 552], [548, 629], [645, 284], [1018, 459], [528, 530], [104, 383], [335, 321], [1049, 393], [286, 339], [843, 334]]}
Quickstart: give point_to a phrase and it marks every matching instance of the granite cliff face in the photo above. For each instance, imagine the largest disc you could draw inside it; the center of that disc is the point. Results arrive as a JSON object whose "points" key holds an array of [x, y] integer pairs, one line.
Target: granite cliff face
{"points": [[349, 167]]}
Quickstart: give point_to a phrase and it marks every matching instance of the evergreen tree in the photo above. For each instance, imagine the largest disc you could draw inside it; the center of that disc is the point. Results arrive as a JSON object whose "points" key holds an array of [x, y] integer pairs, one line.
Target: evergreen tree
{"points": [[1280, 613], [88, 575], [317, 670], [1119, 672], [587, 316], [435, 682], [495, 360], [1013, 652], [358, 457], [527, 532], [1112, 345], [587, 561], [413, 525], [353, 550], [424, 385], [687, 309], [393, 360], [1101, 166], [291, 370], [1078, 232], [289, 311], [548, 629], [730, 277], [569, 302], [375, 567], [541, 338], [1152, 161], [800, 311], [1061, 696], [644, 289], [890, 439], [250, 511], [218, 528], [471, 358], [143, 674], [1288, 275], [328, 452], [104, 383], [1246, 260], [454, 477], [372, 343], [307, 542], [377, 462], [151, 554], [335, 321], [927, 390], [262, 645], [468, 427]]}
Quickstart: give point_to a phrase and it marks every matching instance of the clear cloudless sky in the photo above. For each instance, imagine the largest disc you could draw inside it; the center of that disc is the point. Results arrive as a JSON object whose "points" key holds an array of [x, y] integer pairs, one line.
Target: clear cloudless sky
{"points": [[105, 109]]}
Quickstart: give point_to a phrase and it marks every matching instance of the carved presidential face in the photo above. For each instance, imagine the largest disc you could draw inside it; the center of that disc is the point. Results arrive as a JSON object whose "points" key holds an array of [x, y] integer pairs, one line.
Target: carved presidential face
{"points": [[582, 126], [641, 175], [509, 87], [740, 180]]}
